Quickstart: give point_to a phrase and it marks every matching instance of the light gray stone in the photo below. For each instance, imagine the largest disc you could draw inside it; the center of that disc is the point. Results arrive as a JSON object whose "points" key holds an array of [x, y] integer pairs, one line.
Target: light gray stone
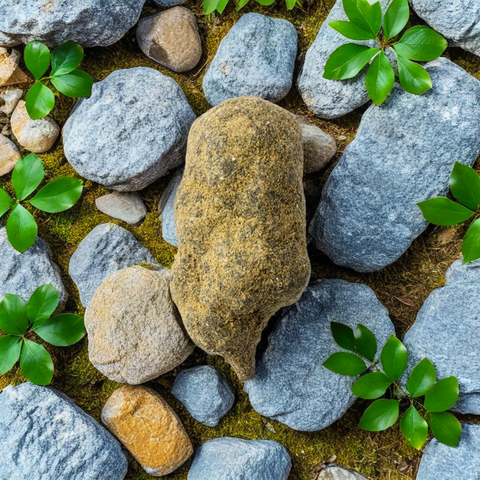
{"points": [[11, 97], [333, 472], [167, 210], [128, 207]]}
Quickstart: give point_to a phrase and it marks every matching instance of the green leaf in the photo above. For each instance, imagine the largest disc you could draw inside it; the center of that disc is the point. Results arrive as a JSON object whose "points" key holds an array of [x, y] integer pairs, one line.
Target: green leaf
{"points": [[9, 352], [347, 61], [241, 4], [266, 2], [372, 385], [396, 17], [471, 243], [36, 363], [443, 211], [445, 428], [414, 428], [39, 101], [351, 31], [380, 79], [465, 186], [62, 330], [365, 16], [42, 303], [13, 315], [380, 415], [422, 378], [442, 396], [290, 4], [413, 77], [343, 335], [209, 6], [27, 175], [421, 43], [21, 229], [345, 364], [394, 358], [6, 202], [65, 58], [59, 195], [76, 84], [366, 342], [37, 58]]}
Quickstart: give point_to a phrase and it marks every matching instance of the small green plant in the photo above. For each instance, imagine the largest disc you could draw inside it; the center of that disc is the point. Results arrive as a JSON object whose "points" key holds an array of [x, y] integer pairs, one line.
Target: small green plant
{"points": [[419, 43], [465, 187], [381, 375], [57, 196], [210, 6], [64, 76], [20, 320]]}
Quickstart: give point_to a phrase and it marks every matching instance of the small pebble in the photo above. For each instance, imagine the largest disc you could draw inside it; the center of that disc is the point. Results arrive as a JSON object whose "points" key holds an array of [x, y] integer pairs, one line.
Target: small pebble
{"points": [[9, 155], [10, 99], [128, 207]]}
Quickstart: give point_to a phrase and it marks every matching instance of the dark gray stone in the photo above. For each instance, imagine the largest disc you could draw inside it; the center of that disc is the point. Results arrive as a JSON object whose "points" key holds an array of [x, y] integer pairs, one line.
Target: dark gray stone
{"points": [[404, 153], [256, 58], [169, 3], [291, 384], [45, 436], [166, 208]]}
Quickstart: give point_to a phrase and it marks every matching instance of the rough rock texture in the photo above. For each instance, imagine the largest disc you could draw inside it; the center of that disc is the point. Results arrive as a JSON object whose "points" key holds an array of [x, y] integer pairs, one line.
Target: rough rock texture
{"points": [[9, 155], [134, 330], [90, 23], [171, 38], [301, 341], [167, 210], [206, 394], [105, 250], [128, 207], [169, 3], [235, 459], [238, 264], [45, 436], [446, 463], [148, 427], [8, 63], [338, 473], [403, 154], [10, 97], [446, 332], [256, 57], [22, 273], [131, 131]]}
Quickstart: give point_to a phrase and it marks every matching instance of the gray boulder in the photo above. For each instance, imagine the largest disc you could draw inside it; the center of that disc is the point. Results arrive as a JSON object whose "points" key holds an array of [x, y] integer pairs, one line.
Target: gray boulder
{"points": [[206, 394], [166, 208], [105, 250], [169, 3], [131, 131], [125, 206], [404, 153], [45, 436], [291, 384], [91, 23], [256, 58], [235, 459]]}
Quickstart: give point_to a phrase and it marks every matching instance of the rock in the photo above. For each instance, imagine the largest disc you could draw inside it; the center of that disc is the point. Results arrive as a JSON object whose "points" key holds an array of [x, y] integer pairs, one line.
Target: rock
{"points": [[131, 131], [171, 39], [291, 384], [206, 394], [10, 98], [238, 264], [167, 210], [22, 273], [442, 462], [105, 250], [147, 426], [9, 155], [169, 3], [135, 333], [256, 57], [91, 23], [235, 459], [37, 136], [8, 64], [404, 153], [45, 436], [128, 207], [448, 322], [332, 472]]}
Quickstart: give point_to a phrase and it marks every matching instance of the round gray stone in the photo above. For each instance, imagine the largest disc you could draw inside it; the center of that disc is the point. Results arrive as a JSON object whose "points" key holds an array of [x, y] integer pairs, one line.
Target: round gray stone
{"points": [[125, 206]]}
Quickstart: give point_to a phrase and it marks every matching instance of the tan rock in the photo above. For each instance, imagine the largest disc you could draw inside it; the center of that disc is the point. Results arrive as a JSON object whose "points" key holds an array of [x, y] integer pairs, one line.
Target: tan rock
{"points": [[171, 38], [10, 97], [8, 64], [148, 427], [34, 135], [9, 155]]}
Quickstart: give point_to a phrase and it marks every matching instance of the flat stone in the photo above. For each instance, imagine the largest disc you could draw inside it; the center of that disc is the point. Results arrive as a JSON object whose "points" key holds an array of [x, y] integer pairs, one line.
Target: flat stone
{"points": [[291, 385], [105, 250], [166, 208], [9, 155], [45, 436], [8, 63], [131, 131], [256, 57], [237, 264], [404, 153], [333, 472], [11, 97], [148, 427], [128, 207]]}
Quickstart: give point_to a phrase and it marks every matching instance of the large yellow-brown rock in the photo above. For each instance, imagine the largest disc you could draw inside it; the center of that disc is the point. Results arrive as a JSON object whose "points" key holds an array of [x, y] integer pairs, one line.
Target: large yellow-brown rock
{"points": [[240, 220], [148, 427]]}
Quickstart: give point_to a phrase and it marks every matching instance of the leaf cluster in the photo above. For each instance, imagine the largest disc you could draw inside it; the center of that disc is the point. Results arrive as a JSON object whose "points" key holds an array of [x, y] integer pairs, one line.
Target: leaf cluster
{"points": [[382, 375], [210, 6]]}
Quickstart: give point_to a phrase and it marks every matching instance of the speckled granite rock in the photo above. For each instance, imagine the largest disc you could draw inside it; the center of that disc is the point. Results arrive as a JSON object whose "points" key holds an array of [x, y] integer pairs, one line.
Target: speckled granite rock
{"points": [[256, 57], [45, 436], [238, 264], [333, 472], [167, 210], [300, 342], [148, 427], [9, 155], [131, 131], [128, 207], [403, 153]]}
